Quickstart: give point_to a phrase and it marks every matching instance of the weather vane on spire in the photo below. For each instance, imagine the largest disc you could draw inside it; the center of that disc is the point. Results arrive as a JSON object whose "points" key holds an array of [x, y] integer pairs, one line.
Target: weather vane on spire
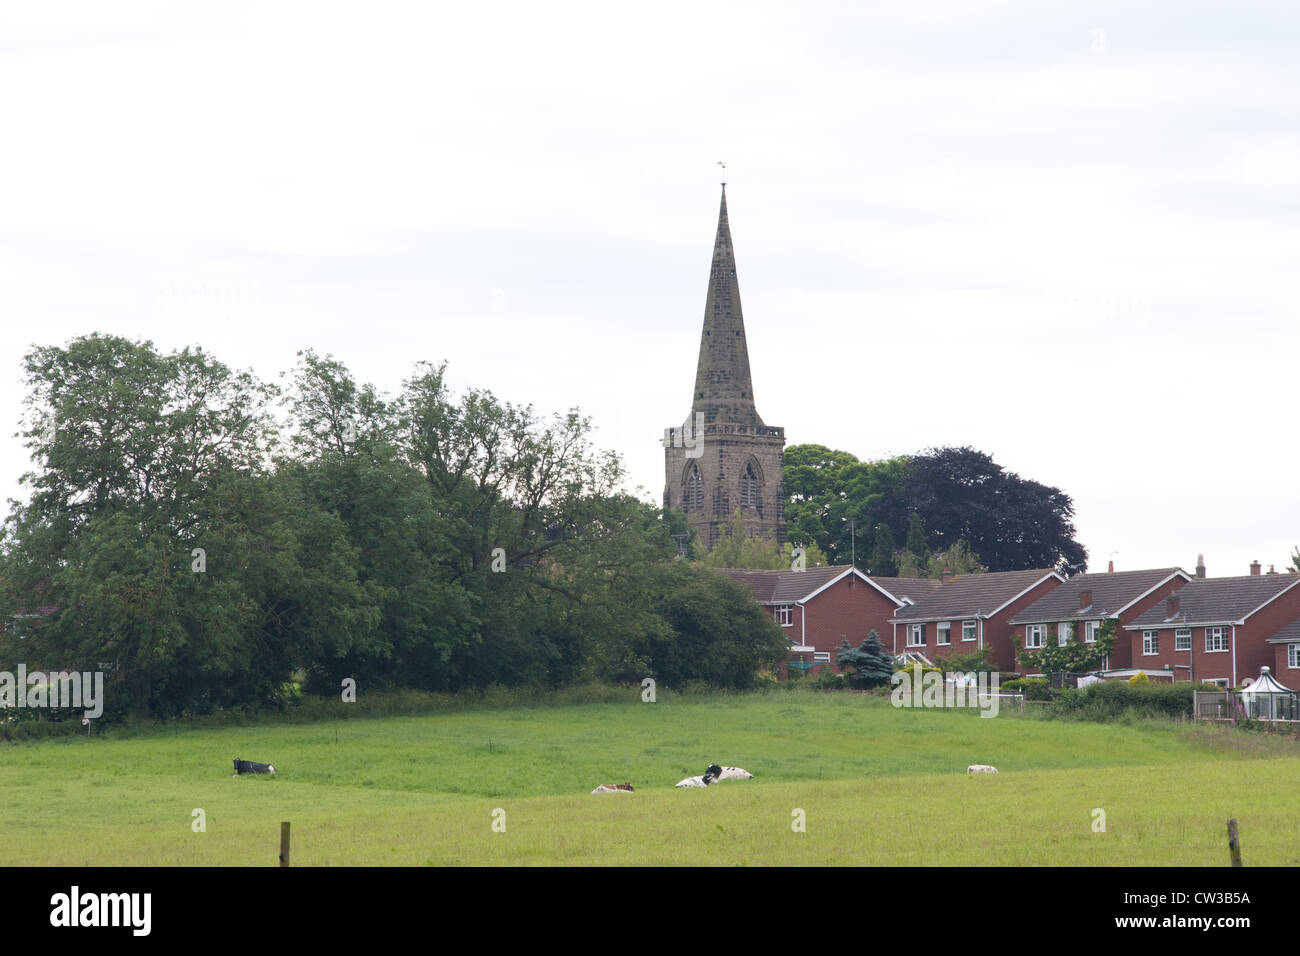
{"points": [[724, 170]]}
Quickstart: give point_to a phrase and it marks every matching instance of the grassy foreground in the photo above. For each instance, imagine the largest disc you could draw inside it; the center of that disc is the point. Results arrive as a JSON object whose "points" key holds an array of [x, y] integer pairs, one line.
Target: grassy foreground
{"points": [[876, 785]]}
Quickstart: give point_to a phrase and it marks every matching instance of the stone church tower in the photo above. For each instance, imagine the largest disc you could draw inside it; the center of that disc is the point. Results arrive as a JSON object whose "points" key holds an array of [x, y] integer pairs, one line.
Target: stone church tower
{"points": [[723, 460]]}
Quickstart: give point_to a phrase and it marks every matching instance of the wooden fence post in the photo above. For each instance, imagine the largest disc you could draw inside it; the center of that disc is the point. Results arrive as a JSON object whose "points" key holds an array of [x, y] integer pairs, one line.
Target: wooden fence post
{"points": [[284, 843], [1234, 843]]}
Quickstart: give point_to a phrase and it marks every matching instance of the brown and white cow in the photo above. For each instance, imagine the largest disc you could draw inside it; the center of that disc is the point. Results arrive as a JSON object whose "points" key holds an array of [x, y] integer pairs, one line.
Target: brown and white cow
{"points": [[614, 788]]}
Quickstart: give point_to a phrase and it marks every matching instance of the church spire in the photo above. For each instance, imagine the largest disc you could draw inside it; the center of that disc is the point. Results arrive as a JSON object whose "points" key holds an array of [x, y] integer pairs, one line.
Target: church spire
{"points": [[723, 390]]}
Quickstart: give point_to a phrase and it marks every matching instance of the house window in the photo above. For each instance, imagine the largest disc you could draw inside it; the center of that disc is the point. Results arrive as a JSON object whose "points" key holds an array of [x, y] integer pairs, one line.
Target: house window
{"points": [[1293, 655], [1034, 635], [1064, 633], [1216, 638], [1216, 681], [821, 657], [1150, 642], [944, 631], [784, 615], [968, 630], [1090, 631], [916, 635], [1183, 639]]}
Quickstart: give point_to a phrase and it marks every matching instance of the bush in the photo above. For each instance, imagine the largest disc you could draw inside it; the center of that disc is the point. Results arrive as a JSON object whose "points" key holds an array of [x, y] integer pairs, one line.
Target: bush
{"points": [[1116, 700], [1034, 688], [828, 680], [1139, 678]]}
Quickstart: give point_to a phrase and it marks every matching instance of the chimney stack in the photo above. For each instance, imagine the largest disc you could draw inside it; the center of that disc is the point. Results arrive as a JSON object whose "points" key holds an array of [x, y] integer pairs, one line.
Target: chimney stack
{"points": [[1171, 606], [947, 574], [1272, 569], [1085, 599], [1111, 569], [1254, 567], [1200, 565]]}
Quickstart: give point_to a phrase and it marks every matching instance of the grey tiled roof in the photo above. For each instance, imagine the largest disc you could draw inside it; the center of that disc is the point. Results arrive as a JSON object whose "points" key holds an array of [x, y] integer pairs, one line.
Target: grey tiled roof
{"points": [[794, 586], [1289, 634], [1111, 590], [1217, 600], [909, 589], [971, 595], [763, 583]]}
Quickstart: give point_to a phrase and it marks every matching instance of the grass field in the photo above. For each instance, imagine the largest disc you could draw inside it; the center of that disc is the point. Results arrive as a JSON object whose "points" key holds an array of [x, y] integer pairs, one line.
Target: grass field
{"points": [[877, 785]]}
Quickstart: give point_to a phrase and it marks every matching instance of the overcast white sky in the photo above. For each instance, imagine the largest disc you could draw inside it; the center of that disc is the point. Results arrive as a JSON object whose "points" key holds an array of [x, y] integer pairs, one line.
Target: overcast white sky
{"points": [[1066, 234]]}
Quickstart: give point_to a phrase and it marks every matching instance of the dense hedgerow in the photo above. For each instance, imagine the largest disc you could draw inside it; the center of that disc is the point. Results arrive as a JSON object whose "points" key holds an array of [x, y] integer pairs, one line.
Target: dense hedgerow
{"points": [[1114, 700]]}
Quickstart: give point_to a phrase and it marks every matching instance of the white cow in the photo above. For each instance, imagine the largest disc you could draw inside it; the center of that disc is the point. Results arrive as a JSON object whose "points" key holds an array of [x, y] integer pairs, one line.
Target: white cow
{"points": [[735, 773], [614, 788], [981, 768]]}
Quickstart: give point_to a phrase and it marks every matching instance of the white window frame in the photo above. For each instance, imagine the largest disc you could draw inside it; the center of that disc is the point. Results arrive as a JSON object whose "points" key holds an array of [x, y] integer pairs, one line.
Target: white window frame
{"points": [[943, 634], [821, 657], [1293, 655], [1034, 635], [1183, 639], [1151, 643], [1216, 681], [916, 635], [1220, 635], [972, 628], [783, 614], [1090, 631], [1064, 633]]}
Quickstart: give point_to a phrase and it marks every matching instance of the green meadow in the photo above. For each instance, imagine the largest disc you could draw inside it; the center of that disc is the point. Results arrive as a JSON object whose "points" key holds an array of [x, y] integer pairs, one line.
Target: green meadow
{"points": [[870, 784]]}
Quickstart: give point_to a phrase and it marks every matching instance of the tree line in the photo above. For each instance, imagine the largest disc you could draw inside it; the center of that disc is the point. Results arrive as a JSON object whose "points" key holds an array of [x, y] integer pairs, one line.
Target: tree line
{"points": [[210, 540], [953, 507]]}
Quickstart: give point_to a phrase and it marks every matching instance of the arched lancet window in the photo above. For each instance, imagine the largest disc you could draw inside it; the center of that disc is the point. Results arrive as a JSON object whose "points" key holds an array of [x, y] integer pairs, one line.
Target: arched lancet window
{"points": [[751, 485], [692, 488]]}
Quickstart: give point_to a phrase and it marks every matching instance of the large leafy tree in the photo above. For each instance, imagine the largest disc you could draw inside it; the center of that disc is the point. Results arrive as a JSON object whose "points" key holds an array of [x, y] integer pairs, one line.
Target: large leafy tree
{"points": [[837, 502], [1009, 522], [716, 632], [158, 536]]}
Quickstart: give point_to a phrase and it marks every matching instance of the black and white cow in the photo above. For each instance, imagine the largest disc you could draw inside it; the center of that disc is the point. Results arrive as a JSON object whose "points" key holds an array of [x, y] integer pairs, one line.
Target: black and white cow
{"points": [[248, 766], [716, 773], [735, 773], [711, 775]]}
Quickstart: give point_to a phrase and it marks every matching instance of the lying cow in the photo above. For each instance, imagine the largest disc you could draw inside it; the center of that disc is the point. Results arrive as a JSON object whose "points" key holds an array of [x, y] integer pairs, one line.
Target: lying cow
{"points": [[711, 775], [981, 768], [248, 766], [614, 788], [735, 773]]}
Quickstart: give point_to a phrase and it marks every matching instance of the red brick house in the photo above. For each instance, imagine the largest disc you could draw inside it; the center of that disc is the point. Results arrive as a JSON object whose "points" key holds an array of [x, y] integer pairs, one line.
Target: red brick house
{"points": [[1079, 607], [1218, 629], [1286, 655], [969, 612], [820, 608]]}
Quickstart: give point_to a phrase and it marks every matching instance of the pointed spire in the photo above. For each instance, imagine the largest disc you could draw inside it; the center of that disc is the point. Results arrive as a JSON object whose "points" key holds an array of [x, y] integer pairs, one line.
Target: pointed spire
{"points": [[723, 389]]}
